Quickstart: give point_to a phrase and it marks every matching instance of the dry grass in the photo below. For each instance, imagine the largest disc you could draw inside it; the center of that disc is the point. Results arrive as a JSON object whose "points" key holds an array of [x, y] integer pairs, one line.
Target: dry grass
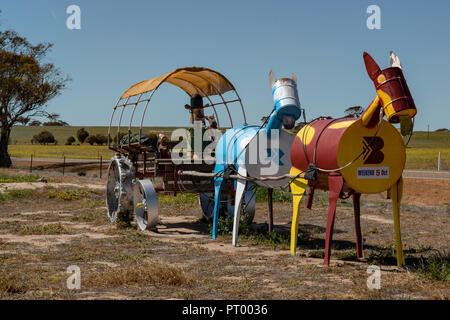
{"points": [[47, 229], [181, 262], [12, 284], [146, 272]]}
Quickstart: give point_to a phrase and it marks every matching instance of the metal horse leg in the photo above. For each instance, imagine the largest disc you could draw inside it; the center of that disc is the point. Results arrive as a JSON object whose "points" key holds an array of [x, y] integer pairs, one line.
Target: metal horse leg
{"points": [[298, 187], [217, 188], [335, 184], [309, 202], [356, 208], [396, 195], [270, 204], [240, 189]]}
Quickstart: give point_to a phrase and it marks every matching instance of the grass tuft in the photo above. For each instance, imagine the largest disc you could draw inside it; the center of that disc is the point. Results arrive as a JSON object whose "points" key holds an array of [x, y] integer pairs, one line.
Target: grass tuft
{"points": [[436, 267], [143, 273], [12, 284], [12, 179], [66, 195], [182, 198], [48, 229], [17, 194], [257, 237], [277, 195]]}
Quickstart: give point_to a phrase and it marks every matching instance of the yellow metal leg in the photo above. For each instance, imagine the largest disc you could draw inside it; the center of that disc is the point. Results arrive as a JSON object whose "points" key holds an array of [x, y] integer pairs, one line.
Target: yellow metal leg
{"points": [[298, 187], [396, 194]]}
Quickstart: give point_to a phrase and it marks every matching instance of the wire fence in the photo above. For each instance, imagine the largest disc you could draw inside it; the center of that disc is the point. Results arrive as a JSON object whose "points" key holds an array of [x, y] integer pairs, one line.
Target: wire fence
{"points": [[63, 164]]}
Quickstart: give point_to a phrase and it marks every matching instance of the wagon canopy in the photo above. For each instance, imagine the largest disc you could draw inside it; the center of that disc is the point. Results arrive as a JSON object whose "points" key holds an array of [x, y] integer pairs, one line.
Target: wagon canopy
{"points": [[193, 80]]}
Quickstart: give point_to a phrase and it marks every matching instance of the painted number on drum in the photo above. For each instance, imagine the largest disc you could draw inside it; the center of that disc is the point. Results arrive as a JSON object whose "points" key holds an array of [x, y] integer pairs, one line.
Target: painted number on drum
{"points": [[373, 173]]}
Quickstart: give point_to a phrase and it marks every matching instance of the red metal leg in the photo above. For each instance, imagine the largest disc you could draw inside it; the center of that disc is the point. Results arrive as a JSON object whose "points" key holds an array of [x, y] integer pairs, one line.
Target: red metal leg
{"points": [[356, 207], [335, 184], [270, 203], [309, 201]]}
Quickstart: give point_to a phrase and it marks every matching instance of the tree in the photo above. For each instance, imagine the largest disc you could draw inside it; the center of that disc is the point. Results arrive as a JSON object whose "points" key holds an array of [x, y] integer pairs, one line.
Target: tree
{"points": [[44, 137], [91, 139], [58, 123], [101, 139], [54, 121], [26, 84], [70, 140], [53, 117], [82, 134], [34, 123], [354, 112], [23, 120]]}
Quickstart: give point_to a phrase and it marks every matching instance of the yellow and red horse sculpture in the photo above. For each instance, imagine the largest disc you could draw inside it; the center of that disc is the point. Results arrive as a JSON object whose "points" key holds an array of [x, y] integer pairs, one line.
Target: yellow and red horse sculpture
{"points": [[356, 155]]}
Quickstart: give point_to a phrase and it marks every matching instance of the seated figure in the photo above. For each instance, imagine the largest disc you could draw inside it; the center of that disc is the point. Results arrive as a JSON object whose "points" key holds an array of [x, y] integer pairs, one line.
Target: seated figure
{"points": [[163, 147]]}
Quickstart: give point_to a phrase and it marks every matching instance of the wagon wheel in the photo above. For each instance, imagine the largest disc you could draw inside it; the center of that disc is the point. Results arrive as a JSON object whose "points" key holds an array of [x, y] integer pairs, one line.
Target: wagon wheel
{"points": [[145, 205], [119, 189]]}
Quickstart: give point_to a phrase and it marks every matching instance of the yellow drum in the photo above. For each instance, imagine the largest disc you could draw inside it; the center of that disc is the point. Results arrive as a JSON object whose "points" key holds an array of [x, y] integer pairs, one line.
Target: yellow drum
{"points": [[369, 159]]}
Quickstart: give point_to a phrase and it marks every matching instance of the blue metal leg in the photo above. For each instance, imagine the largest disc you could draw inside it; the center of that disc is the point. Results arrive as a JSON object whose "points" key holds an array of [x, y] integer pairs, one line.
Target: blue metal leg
{"points": [[217, 188]]}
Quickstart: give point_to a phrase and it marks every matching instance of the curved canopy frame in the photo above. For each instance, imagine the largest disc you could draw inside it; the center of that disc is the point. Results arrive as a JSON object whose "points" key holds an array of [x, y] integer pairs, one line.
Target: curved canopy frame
{"points": [[192, 80]]}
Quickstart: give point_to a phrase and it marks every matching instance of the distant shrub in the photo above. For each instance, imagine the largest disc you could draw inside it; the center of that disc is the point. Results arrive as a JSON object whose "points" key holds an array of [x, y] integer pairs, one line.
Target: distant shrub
{"points": [[44, 137], [82, 135], [442, 130], [91, 139], [101, 139], [70, 140]]}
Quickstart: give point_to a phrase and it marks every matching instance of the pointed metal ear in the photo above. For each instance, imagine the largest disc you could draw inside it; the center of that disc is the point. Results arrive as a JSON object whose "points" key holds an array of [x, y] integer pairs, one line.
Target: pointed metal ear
{"points": [[373, 70], [272, 78], [294, 77], [395, 60]]}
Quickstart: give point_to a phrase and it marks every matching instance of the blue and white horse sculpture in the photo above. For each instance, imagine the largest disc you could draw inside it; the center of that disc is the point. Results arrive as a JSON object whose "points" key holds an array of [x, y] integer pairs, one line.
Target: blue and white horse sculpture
{"points": [[257, 152]]}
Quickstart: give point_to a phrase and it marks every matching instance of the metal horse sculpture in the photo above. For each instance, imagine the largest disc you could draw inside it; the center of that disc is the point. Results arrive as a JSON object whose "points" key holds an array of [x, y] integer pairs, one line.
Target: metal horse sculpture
{"points": [[235, 154], [355, 156]]}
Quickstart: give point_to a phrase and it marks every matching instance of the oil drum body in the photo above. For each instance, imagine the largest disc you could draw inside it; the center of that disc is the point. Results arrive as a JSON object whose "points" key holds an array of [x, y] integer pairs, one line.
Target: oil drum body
{"points": [[369, 159]]}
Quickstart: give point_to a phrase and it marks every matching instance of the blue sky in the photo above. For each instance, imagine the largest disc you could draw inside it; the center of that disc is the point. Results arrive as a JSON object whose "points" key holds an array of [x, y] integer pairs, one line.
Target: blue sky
{"points": [[123, 42]]}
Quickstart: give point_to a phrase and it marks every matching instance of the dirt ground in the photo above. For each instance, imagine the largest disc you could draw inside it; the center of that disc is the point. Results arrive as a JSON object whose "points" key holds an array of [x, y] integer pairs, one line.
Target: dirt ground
{"points": [[63, 223]]}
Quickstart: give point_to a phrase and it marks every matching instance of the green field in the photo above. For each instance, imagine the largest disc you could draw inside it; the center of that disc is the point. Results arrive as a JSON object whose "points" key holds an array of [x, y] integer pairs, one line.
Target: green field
{"points": [[84, 151], [21, 147], [422, 151], [24, 134]]}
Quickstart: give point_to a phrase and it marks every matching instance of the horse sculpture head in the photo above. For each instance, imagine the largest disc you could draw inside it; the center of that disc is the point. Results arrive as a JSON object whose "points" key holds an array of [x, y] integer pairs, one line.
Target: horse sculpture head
{"points": [[393, 94], [287, 107]]}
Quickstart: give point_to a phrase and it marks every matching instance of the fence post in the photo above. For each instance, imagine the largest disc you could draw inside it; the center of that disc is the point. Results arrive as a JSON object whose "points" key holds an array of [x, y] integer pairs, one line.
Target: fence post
{"points": [[101, 164], [31, 163], [439, 161], [64, 164]]}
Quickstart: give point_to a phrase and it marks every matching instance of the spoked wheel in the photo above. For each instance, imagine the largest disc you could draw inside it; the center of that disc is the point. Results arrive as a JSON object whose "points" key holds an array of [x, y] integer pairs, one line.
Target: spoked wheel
{"points": [[145, 205], [119, 189]]}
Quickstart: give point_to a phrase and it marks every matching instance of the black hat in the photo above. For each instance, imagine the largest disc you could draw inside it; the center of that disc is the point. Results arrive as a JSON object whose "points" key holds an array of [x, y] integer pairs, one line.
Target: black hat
{"points": [[196, 101]]}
